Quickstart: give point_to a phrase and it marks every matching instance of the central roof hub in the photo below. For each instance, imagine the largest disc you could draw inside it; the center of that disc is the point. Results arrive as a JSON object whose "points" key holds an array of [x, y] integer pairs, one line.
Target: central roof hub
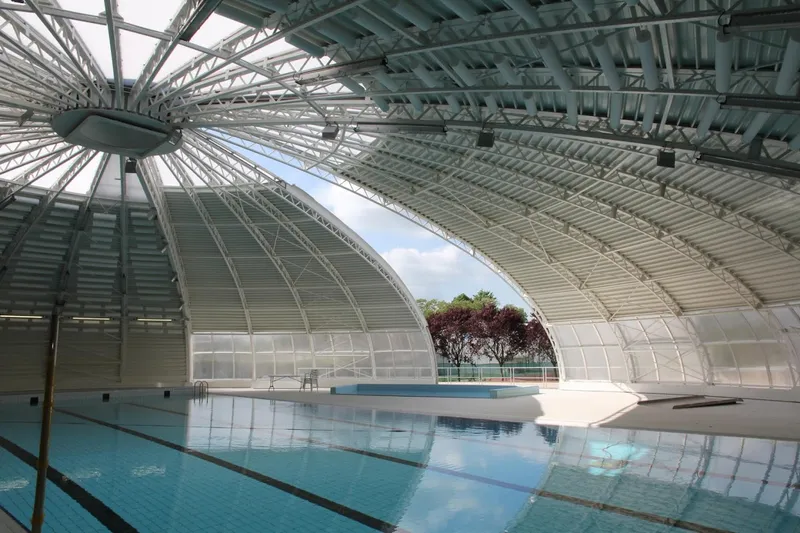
{"points": [[117, 132]]}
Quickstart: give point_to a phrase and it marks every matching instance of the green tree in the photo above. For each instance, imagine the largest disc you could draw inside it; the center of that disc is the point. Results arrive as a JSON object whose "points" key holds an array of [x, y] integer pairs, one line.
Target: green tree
{"points": [[432, 306]]}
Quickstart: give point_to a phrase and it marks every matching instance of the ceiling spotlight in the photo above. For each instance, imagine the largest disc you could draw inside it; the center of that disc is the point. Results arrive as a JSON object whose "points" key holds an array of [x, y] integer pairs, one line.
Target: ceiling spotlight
{"points": [[130, 166], [665, 159], [339, 70], [773, 168], [485, 139], [330, 132], [772, 18]]}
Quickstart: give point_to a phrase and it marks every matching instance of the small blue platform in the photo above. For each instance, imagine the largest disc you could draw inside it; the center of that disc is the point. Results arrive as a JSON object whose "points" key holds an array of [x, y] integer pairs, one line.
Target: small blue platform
{"points": [[436, 391]]}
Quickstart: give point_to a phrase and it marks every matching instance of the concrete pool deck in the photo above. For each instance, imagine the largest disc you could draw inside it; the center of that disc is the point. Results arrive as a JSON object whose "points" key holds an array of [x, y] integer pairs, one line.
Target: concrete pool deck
{"points": [[753, 418]]}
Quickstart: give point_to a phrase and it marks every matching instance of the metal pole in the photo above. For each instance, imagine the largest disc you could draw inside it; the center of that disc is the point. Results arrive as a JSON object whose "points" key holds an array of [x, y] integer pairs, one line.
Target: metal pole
{"points": [[47, 416]]}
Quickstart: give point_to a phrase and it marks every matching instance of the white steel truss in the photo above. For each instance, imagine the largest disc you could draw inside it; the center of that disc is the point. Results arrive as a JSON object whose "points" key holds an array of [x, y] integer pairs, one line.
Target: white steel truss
{"points": [[567, 203]]}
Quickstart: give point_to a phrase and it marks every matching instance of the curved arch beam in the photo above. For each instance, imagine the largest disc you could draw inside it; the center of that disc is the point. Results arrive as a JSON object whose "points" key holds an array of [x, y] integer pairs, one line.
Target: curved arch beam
{"points": [[628, 217], [152, 184], [264, 205], [186, 184], [198, 168], [352, 240], [587, 202], [535, 251]]}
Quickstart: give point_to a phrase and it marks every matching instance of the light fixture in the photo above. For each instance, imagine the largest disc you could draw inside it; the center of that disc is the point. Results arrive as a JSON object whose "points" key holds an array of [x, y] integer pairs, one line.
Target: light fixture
{"points": [[154, 320], [665, 159], [400, 127], [23, 317], [770, 104], [485, 139], [778, 18], [339, 70], [164, 249], [330, 132], [152, 214], [792, 172], [91, 318], [174, 278]]}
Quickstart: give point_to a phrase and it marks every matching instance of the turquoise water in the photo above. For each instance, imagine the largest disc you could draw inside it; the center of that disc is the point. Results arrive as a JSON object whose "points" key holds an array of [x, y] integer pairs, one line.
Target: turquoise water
{"points": [[436, 391], [241, 464]]}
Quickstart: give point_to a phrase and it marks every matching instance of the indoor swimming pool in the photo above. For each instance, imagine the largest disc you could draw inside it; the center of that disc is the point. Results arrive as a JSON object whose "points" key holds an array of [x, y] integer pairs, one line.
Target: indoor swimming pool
{"points": [[235, 464]]}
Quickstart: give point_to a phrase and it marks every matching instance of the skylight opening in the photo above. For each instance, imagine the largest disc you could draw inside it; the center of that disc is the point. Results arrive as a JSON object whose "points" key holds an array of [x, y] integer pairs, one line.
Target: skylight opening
{"points": [[214, 30], [151, 14]]}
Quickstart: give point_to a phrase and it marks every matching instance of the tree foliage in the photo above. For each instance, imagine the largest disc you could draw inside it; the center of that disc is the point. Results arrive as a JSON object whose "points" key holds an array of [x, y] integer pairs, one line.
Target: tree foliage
{"points": [[450, 331], [498, 333], [467, 328]]}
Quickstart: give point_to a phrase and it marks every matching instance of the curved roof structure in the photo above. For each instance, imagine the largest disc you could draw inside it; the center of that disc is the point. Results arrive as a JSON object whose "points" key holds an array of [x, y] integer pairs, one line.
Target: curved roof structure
{"points": [[630, 166]]}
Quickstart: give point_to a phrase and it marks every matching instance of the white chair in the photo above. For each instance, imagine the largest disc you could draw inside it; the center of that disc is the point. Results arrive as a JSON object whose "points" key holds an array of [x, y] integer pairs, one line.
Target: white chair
{"points": [[311, 379]]}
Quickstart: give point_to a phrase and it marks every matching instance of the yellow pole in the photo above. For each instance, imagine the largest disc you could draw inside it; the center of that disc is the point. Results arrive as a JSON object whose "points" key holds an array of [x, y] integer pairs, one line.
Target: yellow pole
{"points": [[47, 416]]}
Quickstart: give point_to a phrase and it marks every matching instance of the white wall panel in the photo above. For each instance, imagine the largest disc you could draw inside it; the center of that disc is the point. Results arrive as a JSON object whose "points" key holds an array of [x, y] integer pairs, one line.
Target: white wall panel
{"points": [[733, 348]]}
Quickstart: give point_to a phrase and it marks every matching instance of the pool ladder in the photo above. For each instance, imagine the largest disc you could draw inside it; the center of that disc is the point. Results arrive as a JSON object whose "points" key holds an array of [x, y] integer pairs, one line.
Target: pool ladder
{"points": [[200, 390]]}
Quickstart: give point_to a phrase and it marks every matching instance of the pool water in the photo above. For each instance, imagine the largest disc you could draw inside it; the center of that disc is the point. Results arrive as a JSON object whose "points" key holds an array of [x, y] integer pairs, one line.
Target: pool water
{"points": [[437, 391], [236, 464]]}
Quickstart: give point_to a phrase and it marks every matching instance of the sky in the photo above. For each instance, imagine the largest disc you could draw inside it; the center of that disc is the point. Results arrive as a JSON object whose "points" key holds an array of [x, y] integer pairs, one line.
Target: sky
{"points": [[429, 266]]}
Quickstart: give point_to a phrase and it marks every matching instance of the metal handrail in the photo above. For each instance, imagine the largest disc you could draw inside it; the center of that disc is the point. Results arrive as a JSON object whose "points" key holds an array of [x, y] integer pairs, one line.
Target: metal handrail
{"points": [[200, 389], [513, 374]]}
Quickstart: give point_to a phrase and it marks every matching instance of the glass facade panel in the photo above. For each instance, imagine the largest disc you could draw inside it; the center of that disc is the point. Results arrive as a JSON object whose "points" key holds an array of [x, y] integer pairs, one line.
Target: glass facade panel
{"points": [[241, 344], [263, 343], [336, 355], [283, 343]]}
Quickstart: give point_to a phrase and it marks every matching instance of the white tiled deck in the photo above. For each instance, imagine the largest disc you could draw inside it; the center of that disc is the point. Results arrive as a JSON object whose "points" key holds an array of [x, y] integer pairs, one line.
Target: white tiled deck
{"points": [[753, 418]]}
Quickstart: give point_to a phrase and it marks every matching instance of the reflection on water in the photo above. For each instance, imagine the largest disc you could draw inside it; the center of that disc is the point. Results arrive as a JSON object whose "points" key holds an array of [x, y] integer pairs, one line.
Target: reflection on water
{"points": [[488, 428], [421, 473]]}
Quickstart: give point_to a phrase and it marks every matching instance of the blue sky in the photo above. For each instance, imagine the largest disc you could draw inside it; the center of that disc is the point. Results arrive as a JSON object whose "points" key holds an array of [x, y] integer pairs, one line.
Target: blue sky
{"points": [[430, 266]]}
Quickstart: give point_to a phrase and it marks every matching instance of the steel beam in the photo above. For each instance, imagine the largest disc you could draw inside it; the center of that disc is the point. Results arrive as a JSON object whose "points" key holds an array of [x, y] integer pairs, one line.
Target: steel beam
{"points": [[112, 19], [174, 164], [41, 209], [260, 201]]}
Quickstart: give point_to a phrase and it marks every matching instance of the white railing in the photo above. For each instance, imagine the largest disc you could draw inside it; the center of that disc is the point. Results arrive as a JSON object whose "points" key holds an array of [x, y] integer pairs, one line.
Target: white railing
{"points": [[546, 375]]}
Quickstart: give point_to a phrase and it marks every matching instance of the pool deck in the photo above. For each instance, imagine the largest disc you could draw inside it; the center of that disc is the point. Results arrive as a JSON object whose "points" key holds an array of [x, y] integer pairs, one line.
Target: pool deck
{"points": [[8, 524], [753, 418]]}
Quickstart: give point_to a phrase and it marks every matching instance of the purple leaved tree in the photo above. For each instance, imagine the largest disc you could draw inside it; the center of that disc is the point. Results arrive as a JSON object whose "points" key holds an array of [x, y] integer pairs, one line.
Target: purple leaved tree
{"points": [[539, 348], [499, 333], [450, 331]]}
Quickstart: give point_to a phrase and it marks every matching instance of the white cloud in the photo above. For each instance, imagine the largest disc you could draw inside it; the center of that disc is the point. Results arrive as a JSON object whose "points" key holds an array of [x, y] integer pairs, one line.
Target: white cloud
{"points": [[367, 217], [439, 273]]}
